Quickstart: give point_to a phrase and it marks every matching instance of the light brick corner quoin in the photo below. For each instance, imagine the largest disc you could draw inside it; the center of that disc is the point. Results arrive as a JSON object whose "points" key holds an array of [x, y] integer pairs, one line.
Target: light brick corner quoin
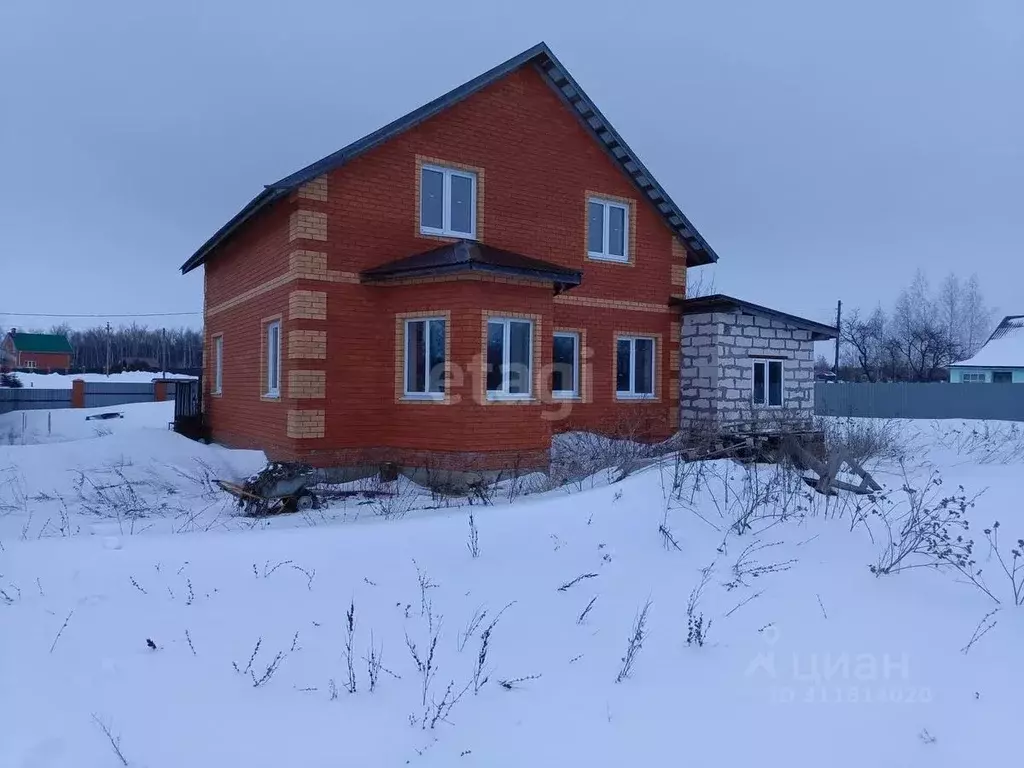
{"points": [[307, 305], [306, 424], [309, 345], [314, 190], [307, 385], [307, 225]]}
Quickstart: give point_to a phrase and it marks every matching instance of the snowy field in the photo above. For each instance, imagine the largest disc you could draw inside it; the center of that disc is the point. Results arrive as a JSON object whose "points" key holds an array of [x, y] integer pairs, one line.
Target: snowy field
{"points": [[63, 381], [144, 623]]}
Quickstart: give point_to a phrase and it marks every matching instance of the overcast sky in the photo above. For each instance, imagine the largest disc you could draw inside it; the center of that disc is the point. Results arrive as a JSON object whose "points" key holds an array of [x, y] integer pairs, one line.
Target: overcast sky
{"points": [[825, 150]]}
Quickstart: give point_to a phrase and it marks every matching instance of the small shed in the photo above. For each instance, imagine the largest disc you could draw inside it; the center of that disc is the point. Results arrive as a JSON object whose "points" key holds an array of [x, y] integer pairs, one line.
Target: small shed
{"points": [[745, 367], [999, 361]]}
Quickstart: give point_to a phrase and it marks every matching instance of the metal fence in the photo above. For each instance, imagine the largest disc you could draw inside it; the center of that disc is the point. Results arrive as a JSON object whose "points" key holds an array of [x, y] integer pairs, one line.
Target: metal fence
{"points": [[101, 394], [33, 399], [97, 394], [902, 400]]}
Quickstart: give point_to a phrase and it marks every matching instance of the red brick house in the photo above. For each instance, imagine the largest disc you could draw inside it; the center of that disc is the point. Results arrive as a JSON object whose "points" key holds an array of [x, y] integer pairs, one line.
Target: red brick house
{"points": [[36, 351], [450, 290]]}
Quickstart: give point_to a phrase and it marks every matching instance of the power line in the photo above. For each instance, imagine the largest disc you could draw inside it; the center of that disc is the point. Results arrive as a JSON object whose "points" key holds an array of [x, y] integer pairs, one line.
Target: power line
{"points": [[103, 315]]}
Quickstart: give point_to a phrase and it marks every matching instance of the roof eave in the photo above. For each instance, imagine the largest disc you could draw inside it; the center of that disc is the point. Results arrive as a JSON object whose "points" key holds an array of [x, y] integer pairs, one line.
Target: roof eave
{"points": [[568, 279], [722, 303], [254, 206]]}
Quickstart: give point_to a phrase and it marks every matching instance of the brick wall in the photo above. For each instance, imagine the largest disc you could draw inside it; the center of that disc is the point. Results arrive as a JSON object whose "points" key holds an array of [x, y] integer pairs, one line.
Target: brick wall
{"points": [[718, 350], [300, 260], [45, 361]]}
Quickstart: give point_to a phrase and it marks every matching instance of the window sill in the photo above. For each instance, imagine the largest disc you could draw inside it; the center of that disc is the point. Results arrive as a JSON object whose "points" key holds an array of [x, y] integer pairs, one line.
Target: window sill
{"points": [[499, 398], [443, 233], [607, 258], [414, 397], [634, 396], [216, 393], [566, 396], [271, 396]]}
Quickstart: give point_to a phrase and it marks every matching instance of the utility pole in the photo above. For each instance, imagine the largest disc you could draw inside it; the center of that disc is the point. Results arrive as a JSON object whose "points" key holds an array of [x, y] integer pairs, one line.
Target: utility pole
{"points": [[839, 320], [108, 349]]}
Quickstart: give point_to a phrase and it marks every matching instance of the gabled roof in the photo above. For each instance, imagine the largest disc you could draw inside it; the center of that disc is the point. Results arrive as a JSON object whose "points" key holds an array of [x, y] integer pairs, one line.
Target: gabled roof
{"points": [[1004, 348], [52, 343], [468, 256], [558, 77], [722, 303]]}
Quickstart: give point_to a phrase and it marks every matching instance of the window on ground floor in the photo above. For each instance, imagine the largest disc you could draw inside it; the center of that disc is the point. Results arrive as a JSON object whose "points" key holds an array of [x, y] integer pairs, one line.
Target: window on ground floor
{"points": [[509, 358], [30, 364], [565, 360], [972, 378], [425, 357], [767, 383], [273, 361], [218, 364], [634, 367], [1002, 377]]}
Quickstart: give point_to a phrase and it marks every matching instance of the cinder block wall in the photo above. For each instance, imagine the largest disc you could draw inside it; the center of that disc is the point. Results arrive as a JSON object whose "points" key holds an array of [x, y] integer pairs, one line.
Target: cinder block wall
{"points": [[718, 350]]}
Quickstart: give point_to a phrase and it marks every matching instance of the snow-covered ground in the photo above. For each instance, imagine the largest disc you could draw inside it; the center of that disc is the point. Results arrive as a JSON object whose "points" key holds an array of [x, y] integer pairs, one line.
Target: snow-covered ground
{"points": [[63, 381], [181, 634]]}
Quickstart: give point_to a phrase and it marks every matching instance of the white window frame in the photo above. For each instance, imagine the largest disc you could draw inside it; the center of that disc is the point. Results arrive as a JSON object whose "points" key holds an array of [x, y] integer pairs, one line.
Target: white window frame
{"points": [[218, 364], [604, 255], [569, 394], [426, 394], [273, 361], [506, 358], [30, 364], [768, 361], [632, 394], [446, 202], [973, 377]]}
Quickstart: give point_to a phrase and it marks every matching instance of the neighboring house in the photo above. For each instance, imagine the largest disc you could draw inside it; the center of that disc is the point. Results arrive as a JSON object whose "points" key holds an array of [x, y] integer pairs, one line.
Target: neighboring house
{"points": [[746, 366], [453, 288], [999, 361], [37, 351]]}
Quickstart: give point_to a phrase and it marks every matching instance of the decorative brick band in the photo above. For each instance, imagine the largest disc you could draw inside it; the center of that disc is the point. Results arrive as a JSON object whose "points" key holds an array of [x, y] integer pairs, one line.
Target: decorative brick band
{"points": [[306, 424], [308, 345], [675, 331], [587, 301], [302, 265], [307, 225], [314, 190], [673, 359], [307, 385], [678, 249], [307, 305], [673, 389], [312, 265]]}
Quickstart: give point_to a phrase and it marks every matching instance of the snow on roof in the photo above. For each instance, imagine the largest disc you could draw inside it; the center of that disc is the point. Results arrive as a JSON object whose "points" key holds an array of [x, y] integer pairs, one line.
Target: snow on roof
{"points": [[1004, 348]]}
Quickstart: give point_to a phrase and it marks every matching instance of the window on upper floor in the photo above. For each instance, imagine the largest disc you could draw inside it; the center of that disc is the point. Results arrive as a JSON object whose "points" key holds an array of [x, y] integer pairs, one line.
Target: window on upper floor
{"points": [[607, 230], [634, 367], [767, 383], [447, 202]]}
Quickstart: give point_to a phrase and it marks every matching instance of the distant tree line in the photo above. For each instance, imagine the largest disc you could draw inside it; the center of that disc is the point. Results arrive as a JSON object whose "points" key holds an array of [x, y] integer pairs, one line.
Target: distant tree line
{"points": [[924, 333], [132, 347]]}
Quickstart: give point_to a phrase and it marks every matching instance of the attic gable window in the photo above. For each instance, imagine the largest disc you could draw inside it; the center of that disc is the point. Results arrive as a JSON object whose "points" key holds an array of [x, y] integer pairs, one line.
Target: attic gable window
{"points": [[447, 202], [607, 230]]}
